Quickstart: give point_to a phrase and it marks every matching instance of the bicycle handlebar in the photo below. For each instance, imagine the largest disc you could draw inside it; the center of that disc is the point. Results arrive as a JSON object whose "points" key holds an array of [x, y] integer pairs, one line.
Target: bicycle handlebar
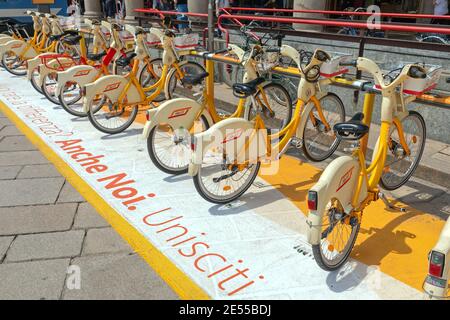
{"points": [[221, 51], [276, 50]]}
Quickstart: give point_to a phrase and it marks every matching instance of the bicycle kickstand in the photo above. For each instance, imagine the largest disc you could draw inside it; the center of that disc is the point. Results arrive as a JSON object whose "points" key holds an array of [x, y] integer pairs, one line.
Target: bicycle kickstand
{"points": [[388, 204]]}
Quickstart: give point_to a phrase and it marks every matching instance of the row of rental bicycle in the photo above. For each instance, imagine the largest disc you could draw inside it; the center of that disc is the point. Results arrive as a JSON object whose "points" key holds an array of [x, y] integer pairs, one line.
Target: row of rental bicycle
{"points": [[90, 73]]}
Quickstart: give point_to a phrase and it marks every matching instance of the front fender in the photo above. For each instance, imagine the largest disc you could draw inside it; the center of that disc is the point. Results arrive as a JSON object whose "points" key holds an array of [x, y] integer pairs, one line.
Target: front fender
{"points": [[338, 181], [179, 113], [111, 86], [82, 75], [4, 40]]}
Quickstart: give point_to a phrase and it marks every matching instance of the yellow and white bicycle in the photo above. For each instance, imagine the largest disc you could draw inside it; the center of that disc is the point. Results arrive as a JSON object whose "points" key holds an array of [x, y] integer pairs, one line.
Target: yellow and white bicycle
{"points": [[348, 185]]}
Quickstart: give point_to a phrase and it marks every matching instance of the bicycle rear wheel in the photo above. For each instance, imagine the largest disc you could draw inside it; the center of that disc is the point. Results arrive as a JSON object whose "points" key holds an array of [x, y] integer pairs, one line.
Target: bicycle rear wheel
{"points": [[14, 64], [109, 117], [220, 181], [176, 88], [71, 100], [339, 233], [34, 76], [169, 149], [49, 88], [320, 142], [401, 166]]}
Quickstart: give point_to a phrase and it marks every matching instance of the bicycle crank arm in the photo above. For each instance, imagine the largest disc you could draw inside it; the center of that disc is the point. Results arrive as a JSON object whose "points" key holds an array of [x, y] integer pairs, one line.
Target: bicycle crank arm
{"points": [[388, 204]]}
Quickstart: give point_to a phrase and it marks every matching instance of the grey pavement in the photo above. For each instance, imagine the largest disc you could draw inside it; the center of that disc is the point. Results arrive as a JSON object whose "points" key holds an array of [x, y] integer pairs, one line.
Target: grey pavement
{"points": [[49, 235]]}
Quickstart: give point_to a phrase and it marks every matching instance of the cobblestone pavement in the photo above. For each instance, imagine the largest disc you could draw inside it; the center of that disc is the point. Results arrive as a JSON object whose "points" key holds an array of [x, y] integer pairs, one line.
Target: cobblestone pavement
{"points": [[49, 235]]}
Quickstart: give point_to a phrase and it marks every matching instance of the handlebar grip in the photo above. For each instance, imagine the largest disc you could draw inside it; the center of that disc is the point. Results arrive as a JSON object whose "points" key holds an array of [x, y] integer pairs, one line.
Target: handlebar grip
{"points": [[276, 50], [417, 73], [351, 63]]}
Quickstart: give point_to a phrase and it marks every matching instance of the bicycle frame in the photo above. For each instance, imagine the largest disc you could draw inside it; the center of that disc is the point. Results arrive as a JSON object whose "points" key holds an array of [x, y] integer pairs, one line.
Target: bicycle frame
{"points": [[347, 178], [183, 112], [51, 63], [85, 74], [309, 95], [127, 88]]}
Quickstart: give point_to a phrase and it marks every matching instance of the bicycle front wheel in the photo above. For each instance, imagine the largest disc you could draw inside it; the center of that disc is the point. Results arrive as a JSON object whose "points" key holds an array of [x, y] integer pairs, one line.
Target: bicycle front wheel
{"points": [[319, 140], [220, 181], [275, 104], [176, 88], [400, 165], [339, 233], [169, 149], [109, 117]]}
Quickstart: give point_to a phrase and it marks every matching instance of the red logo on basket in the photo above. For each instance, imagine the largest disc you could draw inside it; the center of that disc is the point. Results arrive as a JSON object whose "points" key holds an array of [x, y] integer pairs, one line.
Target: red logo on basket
{"points": [[82, 73], [112, 86], [17, 45], [233, 136], [345, 178], [179, 112]]}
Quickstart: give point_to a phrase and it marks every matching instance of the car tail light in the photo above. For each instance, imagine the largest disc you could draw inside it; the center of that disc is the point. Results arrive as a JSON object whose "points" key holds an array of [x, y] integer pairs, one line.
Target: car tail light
{"points": [[83, 91], [437, 261], [147, 115], [312, 200], [38, 69]]}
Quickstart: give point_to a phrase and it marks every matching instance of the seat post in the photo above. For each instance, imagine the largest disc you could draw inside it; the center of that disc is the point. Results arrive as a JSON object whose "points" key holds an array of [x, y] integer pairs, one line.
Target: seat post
{"points": [[369, 102]]}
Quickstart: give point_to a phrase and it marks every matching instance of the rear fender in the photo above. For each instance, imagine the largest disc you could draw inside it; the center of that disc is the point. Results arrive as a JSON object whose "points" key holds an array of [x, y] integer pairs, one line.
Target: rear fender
{"points": [[111, 86], [338, 181], [231, 135], [82, 75], [5, 39], [178, 113], [18, 47], [437, 288], [53, 65]]}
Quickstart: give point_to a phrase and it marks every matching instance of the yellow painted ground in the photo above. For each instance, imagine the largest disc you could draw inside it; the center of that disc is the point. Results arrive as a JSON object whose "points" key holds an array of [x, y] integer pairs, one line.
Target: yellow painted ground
{"points": [[398, 243]]}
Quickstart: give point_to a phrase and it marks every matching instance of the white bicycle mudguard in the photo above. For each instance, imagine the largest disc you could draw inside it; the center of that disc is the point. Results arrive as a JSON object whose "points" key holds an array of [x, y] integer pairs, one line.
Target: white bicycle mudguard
{"points": [[32, 65], [82, 75], [179, 113], [437, 287], [5, 39], [231, 135], [52, 66], [18, 47], [112, 86], [2, 35], [338, 181]]}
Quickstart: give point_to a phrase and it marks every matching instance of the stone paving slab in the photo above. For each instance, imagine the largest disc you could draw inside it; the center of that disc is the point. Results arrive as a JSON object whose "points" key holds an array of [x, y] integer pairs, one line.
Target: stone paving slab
{"points": [[9, 172], [69, 194], [16, 143], [32, 192], [35, 280], [38, 171], [5, 242], [46, 246], [87, 218], [21, 158], [118, 276], [9, 131], [34, 219], [104, 240], [5, 122]]}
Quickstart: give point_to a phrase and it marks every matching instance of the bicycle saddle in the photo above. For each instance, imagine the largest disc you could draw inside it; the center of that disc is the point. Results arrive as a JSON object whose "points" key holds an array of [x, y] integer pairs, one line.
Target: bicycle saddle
{"points": [[195, 79], [56, 37], [125, 61], [96, 57], [352, 130], [96, 22], [71, 40], [244, 90]]}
